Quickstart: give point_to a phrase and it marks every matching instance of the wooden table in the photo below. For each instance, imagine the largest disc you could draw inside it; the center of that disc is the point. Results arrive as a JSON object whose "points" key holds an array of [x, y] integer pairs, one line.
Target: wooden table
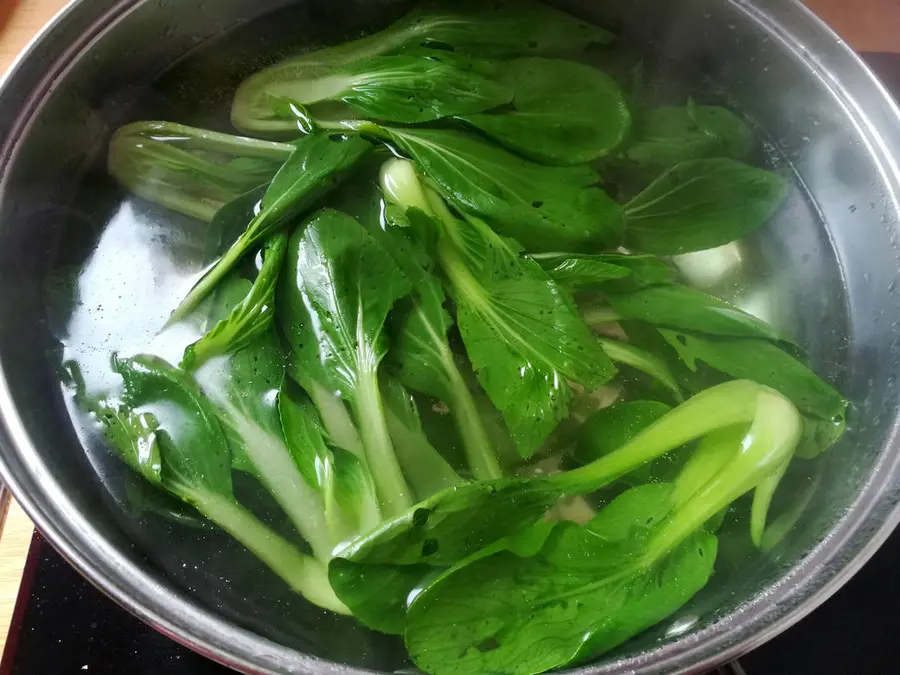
{"points": [[868, 25]]}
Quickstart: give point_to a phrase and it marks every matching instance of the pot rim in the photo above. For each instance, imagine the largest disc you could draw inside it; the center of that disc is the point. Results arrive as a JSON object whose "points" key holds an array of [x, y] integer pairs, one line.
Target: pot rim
{"points": [[864, 527]]}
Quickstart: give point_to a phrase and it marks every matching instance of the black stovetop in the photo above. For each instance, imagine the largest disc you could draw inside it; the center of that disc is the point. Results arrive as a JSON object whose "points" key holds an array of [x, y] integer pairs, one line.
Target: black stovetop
{"points": [[64, 625]]}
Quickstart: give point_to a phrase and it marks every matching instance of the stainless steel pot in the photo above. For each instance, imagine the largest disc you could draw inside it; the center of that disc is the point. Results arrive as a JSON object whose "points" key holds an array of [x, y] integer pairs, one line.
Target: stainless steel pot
{"points": [[829, 264]]}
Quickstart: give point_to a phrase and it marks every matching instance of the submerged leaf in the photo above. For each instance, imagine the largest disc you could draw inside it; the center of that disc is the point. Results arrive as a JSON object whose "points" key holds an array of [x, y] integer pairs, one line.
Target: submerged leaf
{"points": [[611, 428], [701, 204], [132, 436], [192, 171], [196, 456], [765, 363], [606, 271], [669, 135], [335, 297], [564, 113], [677, 306]]}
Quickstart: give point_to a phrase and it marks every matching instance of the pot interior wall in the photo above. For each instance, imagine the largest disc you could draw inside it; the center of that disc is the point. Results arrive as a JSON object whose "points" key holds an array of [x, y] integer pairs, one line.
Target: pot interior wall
{"points": [[827, 267]]}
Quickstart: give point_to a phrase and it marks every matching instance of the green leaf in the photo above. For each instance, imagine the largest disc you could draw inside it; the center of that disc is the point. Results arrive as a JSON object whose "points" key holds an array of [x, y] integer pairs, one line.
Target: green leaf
{"points": [[451, 525], [229, 223], [246, 312], [497, 30], [580, 272], [377, 593], [316, 166], [420, 353], [611, 428], [460, 526], [192, 171], [195, 456], [701, 204], [132, 436], [339, 287], [677, 306], [521, 331], [765, 363], [196, 467], [669, 135], [607, 271], [586, 592], [542, 207], [819, 436], [303, 433], [564, 113]]}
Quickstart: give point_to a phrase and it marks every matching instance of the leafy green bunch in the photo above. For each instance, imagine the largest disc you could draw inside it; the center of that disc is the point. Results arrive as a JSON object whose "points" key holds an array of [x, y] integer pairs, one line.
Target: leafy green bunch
{"points": [[428, 328]]}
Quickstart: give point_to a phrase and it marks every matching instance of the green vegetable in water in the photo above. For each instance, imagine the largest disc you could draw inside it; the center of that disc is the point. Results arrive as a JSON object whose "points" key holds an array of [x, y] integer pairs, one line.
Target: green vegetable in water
{"points": [[610, 428], [769, 364], [246, 310], [513, 320], [542, 207], [242, 389], [317, 164], [605, 271], [421, 352], [553, 122], [348, 493], [596, 586], [403, 88], [701, 204], [196, 468], [648, 363], [339, 288], [427, 470], [412, 365], [668, 135], [677, 306], [496, 30], [192, 171]]}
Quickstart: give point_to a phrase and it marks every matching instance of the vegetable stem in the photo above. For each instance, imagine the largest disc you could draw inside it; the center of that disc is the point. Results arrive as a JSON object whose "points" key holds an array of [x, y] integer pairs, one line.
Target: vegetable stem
{"points": [[210, 279], [480, 455], [734, 403], [303, 573], [764, 450], [643, 361], [594, 316], [393, 493], [338, 423], [427, 471], [762, 500]]}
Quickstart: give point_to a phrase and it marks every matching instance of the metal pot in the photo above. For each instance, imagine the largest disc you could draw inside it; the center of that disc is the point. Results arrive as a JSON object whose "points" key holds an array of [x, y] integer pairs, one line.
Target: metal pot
{"points": [[828, 265]]}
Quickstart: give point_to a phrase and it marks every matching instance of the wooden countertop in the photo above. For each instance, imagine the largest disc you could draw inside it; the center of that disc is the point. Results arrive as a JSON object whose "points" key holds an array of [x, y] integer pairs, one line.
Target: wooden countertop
{"points": [[867, 25]]}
